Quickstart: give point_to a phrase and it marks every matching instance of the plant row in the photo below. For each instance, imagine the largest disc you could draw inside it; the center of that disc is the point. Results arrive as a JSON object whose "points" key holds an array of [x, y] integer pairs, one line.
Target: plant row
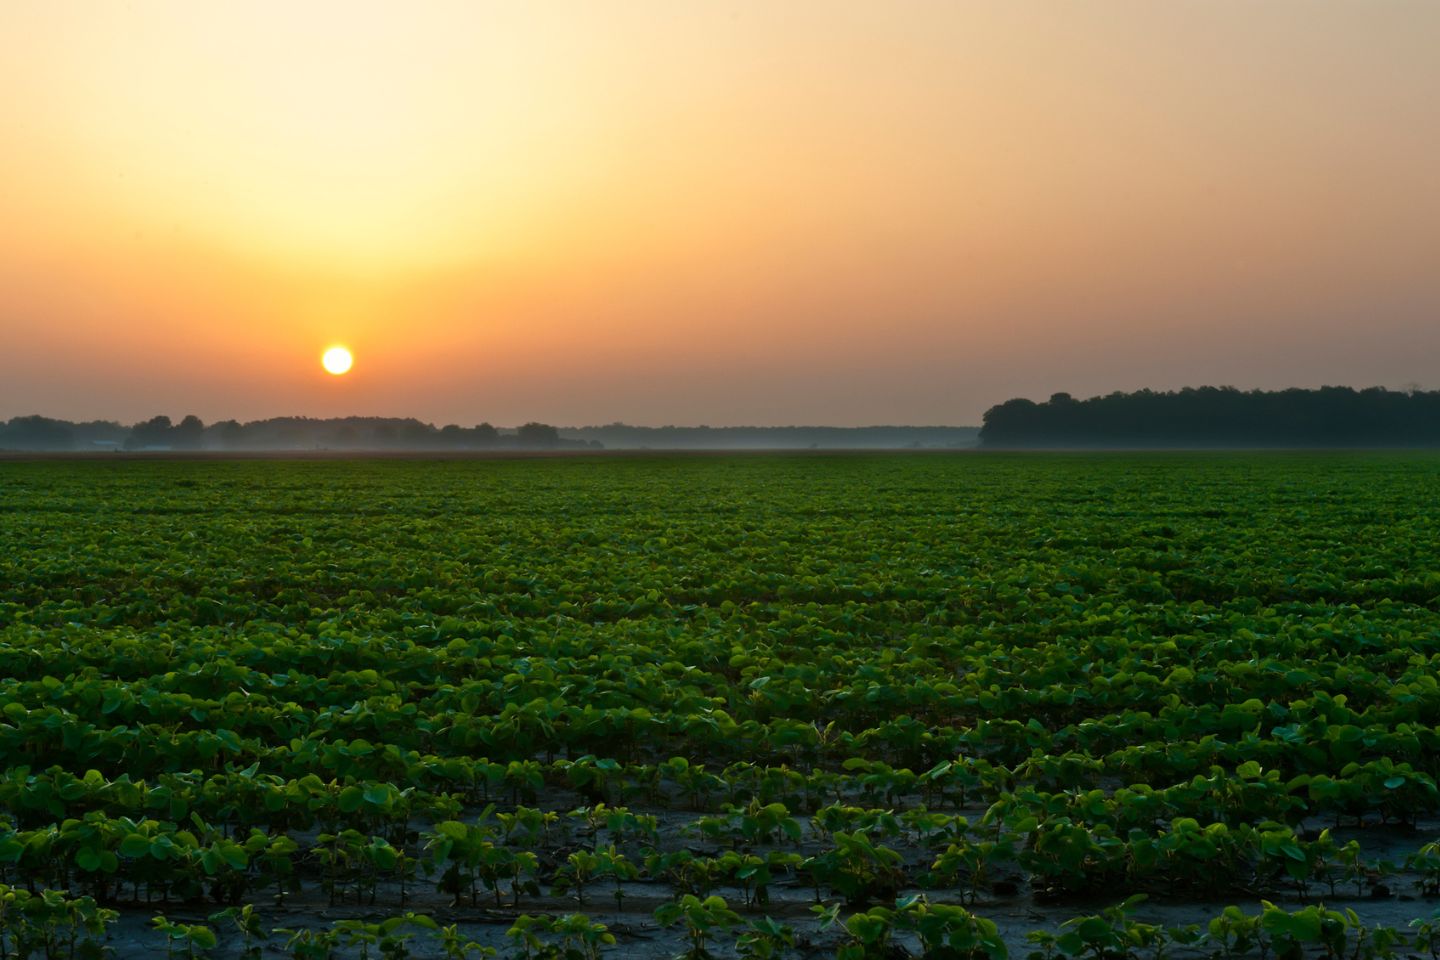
{"points": [[514, 854], [54, 926]]}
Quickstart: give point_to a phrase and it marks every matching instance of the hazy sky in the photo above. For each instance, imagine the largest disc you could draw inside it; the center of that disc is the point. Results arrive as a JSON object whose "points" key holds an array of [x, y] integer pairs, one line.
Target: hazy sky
{"points": [[660, 212]]}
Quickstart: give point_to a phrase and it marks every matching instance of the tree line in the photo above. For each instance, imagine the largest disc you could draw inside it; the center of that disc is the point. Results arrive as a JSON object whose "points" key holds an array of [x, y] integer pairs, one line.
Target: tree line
{"points": [[389, 433], [1220, 417], [160, 433]]}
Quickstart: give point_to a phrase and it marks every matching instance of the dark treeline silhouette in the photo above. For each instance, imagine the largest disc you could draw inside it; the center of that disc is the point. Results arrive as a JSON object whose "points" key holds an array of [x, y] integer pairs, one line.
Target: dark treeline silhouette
{"points": [[620, 436], [390, 433], [1221, 417], [280, 433], [43, 433]]}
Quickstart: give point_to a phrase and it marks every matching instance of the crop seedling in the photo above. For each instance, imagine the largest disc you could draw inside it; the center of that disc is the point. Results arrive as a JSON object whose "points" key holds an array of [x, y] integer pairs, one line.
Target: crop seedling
{"points": [[192, 937], [765, 939], [702, 921], [579, 937], [247, 923]]}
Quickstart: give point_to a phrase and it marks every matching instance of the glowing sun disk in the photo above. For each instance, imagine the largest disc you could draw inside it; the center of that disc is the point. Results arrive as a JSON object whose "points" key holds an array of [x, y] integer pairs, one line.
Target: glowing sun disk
{"points": [[337, 360]]}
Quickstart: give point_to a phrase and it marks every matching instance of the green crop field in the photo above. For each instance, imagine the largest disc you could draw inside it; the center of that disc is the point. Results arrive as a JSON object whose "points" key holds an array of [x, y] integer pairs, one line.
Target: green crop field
{"points": [[769, 706]]}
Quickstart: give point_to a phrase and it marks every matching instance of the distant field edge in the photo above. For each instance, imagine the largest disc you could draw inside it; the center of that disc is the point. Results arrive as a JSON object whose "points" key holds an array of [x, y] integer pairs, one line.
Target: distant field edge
{"points": [[23, 456], [625, 453], [1202, 448]]}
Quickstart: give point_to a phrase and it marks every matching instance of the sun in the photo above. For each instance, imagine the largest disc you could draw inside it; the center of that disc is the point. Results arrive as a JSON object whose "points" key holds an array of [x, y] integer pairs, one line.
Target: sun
{"points": [[337, 360]]}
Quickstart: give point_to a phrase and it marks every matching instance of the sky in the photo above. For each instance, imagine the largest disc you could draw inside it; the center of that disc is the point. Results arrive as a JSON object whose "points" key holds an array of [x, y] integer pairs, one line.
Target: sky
{"points": [[729, 213]]}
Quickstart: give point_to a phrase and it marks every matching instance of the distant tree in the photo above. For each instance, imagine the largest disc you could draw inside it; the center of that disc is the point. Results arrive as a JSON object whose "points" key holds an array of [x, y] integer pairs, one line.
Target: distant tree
{"points": [[94, 434], [1221, 416], [228, 433], [37, 433], [416, 434], [538, 435], [454, 435], [188, 433], [154, 432]]}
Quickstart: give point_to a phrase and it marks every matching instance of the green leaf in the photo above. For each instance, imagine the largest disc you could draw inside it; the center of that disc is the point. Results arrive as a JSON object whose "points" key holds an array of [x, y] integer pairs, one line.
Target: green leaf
{"points": [[235, 856], [134, 845], [350, 799]]}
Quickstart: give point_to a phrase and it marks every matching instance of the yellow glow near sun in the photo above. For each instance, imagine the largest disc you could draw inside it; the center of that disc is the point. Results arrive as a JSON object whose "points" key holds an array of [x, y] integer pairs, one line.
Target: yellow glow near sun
{"points": [[337, 360]]}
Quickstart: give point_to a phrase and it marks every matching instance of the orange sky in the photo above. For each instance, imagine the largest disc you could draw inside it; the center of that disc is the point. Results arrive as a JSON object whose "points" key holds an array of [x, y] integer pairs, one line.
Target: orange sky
{"points": [[661, 212]]}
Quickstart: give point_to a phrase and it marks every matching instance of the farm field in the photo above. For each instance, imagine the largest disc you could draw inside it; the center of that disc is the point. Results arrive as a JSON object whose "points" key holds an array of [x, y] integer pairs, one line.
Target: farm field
{"points": [[962, 705]]}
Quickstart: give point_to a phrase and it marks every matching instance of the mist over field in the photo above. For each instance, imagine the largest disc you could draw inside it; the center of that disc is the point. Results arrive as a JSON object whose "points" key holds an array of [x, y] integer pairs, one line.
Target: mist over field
{"points": [[373, 434], [1205, 417]]}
